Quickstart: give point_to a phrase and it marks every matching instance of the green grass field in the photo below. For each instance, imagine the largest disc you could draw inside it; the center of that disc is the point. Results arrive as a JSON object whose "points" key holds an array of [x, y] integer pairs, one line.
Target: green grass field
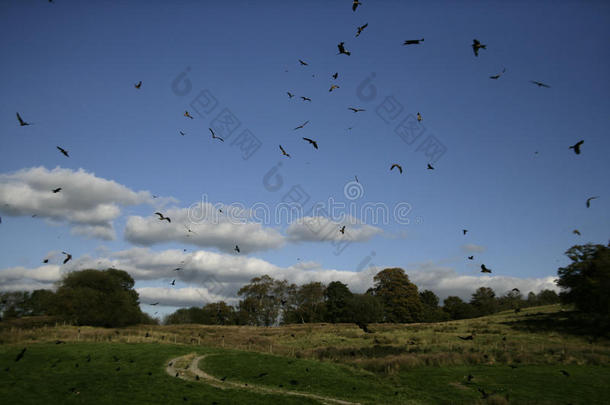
{"points": [[397, 364]]}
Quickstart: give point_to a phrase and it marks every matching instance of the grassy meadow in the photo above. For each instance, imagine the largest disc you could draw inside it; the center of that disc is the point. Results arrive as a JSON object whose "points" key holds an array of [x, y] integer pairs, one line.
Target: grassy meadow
{"points": [[512, 359]]}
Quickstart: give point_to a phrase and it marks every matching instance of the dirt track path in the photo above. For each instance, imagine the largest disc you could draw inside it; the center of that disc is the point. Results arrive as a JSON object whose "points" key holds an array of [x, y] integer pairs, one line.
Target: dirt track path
{"points": [[186, 367]]}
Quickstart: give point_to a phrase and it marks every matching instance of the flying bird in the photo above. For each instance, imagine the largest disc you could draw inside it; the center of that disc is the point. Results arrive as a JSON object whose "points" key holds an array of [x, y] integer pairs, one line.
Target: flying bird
{"points": [[332, 87], [162, 217], [470, 257], [413, 41], [305, 98], [342, 49], [356, 109], [154, 303], [173, 282], [469, 337], [138, 85], [342, 230], [355, 5], [45, 261], [302, 125], [396, 165], [57, 190], [589, 200], [576, 232], [430, 167], [21, 121], [496, 77], [361, 28], [284, 152], [68, 257], [476, 45], [464, 231], [182, 133], [188, 115], [564, 373], [356, 177], [290, 95], [419, 118], [214, 135], [237, 249], [540, 84], [336, 75], [303, 63], [311, 141], [62, 150], [485, 269], [20, 355], [576, 147]]}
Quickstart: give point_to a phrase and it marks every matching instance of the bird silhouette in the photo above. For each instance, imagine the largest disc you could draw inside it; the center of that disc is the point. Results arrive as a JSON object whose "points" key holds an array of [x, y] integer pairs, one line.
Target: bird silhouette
{"points": [[138, 85], [303, 63], [470, 257], [290, 95], [355, 5], [355, 110], [342, 230], [332, 87], [173, 282], [564, 373], [483, 393], [464, 231], [476, 45], [305, 98], [182, 133], [62, 150], [356, 177], [302, 125], [162, 217], [68, 257], [469, 337], [154, 303], [188, 115], [284, 152], [576, 147], [397, 166], [413, 41], [342, 49], [261, 375], [311, 141], [45, 261], [419, 118], [430, 167], [223, 378], [485, 269], [364, 327], [540, 84], [57, 190], [576, 232], [237, 249], [590, 199], [496, 77], [20, 355], [21, 121], [361, 28], [214, 135], [336, 75]]}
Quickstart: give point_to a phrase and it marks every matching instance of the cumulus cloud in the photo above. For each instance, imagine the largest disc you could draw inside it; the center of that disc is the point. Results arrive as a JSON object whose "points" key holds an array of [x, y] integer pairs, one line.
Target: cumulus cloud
{"points": [[87, 202], [316, 229], [203, 225], [21, 278], [472, 248]]}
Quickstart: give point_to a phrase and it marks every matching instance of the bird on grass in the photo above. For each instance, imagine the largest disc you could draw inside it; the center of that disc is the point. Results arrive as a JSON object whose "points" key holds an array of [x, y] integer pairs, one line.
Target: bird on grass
{"points": [[57, 190], [361, 28], [223, 378], [311, 141], [483, 393], [355, 5], [364, 327], [469, 337], [261, 375], [237, 249], [332, 87], [214, 135], [476, 45], [342, 49], [21, 121], [20, 355], [485, 269], [68, 257], [356, 109], [188, 115], [302, 125], [470, 377], [589, 200], [496, 77], [162, 217], [284, 152], [62, 150], [576, 147], [540, 84], [397, 166], [413, 41], [564, 373], [138, 85]]}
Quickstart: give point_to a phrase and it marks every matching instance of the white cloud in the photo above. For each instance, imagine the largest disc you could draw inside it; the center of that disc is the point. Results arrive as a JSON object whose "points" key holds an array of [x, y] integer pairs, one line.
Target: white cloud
{"points": [[316, 229], [87, 202]]}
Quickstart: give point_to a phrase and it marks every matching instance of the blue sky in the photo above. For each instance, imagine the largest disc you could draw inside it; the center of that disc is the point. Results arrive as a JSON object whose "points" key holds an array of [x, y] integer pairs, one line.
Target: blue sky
{"points": [[70, 67]]}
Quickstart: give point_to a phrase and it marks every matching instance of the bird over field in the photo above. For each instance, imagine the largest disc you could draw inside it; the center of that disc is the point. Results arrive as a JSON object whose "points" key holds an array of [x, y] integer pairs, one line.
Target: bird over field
{"points": [[399, 167], [162, 217], [413, 41], [314, 143], [576, 147], [21, 121], [20, 355], [476, 45]]}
